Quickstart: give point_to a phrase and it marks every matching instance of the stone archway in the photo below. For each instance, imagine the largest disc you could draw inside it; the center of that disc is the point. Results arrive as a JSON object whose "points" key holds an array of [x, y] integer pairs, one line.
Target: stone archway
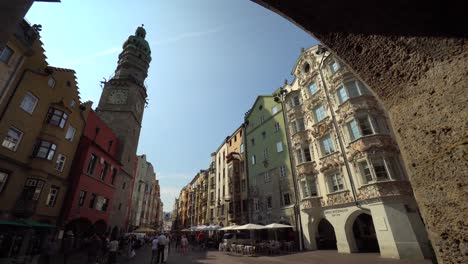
{"points": [[325, 235], [416, 66], [364, 234]]}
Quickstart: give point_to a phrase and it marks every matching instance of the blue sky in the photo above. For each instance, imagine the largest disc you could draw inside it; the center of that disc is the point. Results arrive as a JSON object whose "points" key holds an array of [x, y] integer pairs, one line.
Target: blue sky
{"points": [[210, 59]]}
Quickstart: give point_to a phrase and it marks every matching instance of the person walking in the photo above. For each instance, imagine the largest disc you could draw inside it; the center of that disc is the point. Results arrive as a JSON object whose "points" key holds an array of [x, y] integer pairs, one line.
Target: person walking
{"points": [[94, 247], [184, 242], [162, 241], [154, 249], [68, 244], [113, 249]]}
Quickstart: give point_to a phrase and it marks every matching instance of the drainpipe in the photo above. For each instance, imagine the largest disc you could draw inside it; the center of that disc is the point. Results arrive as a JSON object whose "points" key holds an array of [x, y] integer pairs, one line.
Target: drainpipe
{"points": [[297, 212], [335, 126]]}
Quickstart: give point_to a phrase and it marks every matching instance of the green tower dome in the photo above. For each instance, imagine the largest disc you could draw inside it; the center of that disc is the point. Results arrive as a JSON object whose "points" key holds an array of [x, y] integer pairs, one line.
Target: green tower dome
{"points": [[138, 41]]}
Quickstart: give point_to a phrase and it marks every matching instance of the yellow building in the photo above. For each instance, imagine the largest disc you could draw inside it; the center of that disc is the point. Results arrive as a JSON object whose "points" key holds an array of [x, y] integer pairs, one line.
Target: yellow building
{"points": [[40, 127], [237, 180]]}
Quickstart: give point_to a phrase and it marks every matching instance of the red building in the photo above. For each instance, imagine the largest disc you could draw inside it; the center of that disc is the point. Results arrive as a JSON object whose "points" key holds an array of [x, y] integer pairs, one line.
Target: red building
{"points": [[93, 178]]}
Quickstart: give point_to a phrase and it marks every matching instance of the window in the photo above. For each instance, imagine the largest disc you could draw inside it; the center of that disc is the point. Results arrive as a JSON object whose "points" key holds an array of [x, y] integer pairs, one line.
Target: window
{"points": [[319, 113], [295, 101], [243, 185], [44, 149], [309, 188], [265, 154], [262, 119], [279, 146], [253, 160], [253, 141], [72, 104], [334, 66], [264, 135], [297, 125], [12, 139], [267, 176], [380, 169], [6, 54], [70, 133], [242, 148], [313, 88], [29, 103], [274, 110], [32, 189], [277, 127], [51, 82], [303, 155], [307, 155], [349, 90], [3, 180], [256, 205], [362, 126], [327, 146], [269, 202], [123, 185], [91, 164], [365, 171], [82, 199], [286, 199], [305, 191], [60, 163], [299, 157], [336, 182], [101, 203], [114, 174], [93, 200], [56, 117], [120, 206], [104, 169], [283, 171], [52, 197]]}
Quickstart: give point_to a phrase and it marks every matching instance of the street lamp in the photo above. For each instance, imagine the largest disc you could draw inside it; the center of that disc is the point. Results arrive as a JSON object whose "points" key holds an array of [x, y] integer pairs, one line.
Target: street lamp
{"points": [[280, 98]]}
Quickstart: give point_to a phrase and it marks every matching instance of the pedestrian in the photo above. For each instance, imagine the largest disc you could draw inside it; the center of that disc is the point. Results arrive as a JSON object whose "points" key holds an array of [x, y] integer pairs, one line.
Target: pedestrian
{"points": [[154, 249], [94, 247], [68, 245], [113, 248], [162, 241], [177, 242], [48, 249], [184, 242], [201, 240]]}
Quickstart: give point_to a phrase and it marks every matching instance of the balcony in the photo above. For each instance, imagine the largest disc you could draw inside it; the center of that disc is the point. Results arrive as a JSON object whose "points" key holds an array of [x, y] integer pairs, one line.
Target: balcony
{"points": [[367, 143], [300, 137], [330, 161], [385, 189], [321, 128], [311, 203], [295, 111], [356, 104], [306, 168], [340, 197]]}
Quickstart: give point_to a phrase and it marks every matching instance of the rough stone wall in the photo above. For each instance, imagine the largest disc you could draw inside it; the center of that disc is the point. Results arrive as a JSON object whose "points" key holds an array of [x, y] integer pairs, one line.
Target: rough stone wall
{"points": [[422, 83]]}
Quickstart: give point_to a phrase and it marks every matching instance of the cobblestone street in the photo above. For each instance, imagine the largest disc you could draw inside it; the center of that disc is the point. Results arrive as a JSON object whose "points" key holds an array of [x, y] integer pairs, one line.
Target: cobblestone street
{"points": [[316, 257]]}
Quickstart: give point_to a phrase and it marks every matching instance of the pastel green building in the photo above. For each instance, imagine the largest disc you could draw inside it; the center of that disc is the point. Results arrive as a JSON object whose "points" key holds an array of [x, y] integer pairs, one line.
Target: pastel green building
{"points": [[271, 190]]}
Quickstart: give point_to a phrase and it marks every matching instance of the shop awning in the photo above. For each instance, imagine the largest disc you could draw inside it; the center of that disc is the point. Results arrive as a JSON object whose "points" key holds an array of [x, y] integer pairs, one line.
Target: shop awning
{"points": [[25, 223]]}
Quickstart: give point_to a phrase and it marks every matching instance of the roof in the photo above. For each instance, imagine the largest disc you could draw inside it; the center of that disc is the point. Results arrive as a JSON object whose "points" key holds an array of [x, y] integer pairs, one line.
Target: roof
{"points": [[61, 69]]}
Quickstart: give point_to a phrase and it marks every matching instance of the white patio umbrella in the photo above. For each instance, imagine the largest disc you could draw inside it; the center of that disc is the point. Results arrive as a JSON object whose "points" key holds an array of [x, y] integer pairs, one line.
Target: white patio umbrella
{"points": [[249, 227], [201, 227], [212, 227], [277, 226], [228, 227]]}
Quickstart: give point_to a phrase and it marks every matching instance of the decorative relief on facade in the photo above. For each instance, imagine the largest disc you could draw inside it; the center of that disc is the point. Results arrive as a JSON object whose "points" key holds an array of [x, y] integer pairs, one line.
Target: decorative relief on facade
{"points": [[311, 203], [338, 78], [383, 189], [353, 105], [331, 162], [306, 168], [305, 66], [295, 111], [301, 138], [359, 147], [321, 128], [338, 198]]}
